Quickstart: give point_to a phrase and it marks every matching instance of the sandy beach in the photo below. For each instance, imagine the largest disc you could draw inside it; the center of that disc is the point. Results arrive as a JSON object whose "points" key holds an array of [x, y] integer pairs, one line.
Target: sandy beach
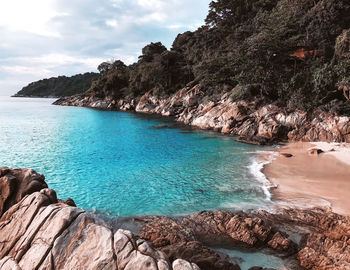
{"points": [[308, 180]]}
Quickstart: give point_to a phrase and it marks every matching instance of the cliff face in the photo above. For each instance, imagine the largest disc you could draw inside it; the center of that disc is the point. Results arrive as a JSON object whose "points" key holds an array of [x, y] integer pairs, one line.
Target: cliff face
{"points": [[39, 231], [248, 119], [58, 86]]}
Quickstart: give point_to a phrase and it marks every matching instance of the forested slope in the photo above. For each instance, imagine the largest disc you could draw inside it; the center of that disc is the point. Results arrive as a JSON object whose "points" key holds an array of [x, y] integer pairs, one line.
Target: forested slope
{"points": [[58, 86]]}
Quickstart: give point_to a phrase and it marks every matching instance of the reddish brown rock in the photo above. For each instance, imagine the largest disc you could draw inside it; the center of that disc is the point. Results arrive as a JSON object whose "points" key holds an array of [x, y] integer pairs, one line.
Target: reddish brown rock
{"points": [[41, 232], [163, 231], [196, 252], [315, 152], [16, 183], [252, 122], [238, 229]]}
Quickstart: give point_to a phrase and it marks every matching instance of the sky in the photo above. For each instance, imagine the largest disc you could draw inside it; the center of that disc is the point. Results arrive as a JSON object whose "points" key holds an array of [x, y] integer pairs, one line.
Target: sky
{"points": [[46, 38]]}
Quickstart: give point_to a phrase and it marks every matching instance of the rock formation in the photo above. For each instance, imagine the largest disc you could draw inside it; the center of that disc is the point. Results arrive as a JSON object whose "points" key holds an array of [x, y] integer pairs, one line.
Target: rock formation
{"points": [[38, 231], [254, 124]]}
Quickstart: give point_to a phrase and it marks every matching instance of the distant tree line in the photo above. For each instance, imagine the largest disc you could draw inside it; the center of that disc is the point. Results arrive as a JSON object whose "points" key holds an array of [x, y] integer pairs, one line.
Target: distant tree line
{"points": [[59, 86]]}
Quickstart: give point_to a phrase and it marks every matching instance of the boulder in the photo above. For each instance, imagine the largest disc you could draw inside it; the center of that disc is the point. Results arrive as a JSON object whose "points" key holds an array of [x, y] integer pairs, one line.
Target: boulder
{"points": [[314, 152], [287, 155], [15, 184]]}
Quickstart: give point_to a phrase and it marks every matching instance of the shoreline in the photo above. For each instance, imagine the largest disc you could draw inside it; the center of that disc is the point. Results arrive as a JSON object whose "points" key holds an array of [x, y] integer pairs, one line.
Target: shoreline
{"points": [[306, 180]]}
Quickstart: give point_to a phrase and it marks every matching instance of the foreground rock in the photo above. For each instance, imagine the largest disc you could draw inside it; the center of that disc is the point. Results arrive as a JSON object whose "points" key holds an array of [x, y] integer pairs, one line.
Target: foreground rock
{"points": [[252, 122], [38, 231], [16, 183]]}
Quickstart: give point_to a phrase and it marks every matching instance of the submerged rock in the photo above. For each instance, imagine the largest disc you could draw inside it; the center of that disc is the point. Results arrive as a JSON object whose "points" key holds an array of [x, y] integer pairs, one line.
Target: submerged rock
{"points": [[160, 127]]}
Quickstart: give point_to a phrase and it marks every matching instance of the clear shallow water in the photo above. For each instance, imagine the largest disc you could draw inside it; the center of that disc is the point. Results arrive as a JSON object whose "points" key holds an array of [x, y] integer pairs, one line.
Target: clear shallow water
{"points": [[115, 163], [246, 259]]}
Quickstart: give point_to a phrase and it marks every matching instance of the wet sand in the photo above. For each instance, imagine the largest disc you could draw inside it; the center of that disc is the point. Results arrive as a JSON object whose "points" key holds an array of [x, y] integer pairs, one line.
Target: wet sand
{"points": [[305, 180]]}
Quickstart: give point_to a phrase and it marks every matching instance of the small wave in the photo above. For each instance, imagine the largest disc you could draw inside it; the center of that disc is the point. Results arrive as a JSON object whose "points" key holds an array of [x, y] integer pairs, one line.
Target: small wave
{"points": [[256, 168]]}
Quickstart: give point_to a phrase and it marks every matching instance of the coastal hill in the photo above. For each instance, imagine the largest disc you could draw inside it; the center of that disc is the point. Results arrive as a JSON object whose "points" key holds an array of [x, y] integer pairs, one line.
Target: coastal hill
{"points": [[293, 53], [252, 58], [58, 86]]}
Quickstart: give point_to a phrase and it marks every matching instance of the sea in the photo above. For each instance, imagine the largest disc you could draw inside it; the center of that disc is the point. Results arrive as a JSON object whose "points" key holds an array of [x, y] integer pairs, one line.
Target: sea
{"points": [[118, 164]]}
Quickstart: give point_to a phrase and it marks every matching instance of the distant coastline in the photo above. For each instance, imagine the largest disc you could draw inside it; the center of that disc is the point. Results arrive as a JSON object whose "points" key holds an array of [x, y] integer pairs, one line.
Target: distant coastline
{"points": [[57, 87]]}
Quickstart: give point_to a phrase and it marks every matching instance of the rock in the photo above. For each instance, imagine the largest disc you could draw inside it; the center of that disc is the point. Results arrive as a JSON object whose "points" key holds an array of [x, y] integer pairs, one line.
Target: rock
{"points": [[16, 183], [7, 263], [287, 155], [261, 268], [196, 252], [223, 226], [69, 202], [163, 231], [254, 123], [42, 232], [280, 242], [184, 265], [178, 241], [326, 245], [315, 152], [160, 127], [138, 254], [214, 228]]}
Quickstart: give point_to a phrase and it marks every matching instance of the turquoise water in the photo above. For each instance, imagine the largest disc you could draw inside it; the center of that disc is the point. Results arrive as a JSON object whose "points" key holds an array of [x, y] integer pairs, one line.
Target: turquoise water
{"points": [[114, 162]]}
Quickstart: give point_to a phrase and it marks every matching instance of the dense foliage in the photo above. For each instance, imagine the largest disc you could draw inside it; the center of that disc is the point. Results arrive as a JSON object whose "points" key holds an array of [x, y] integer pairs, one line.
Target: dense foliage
{"points": [[292, 52], [295, 53], [59, 86]]}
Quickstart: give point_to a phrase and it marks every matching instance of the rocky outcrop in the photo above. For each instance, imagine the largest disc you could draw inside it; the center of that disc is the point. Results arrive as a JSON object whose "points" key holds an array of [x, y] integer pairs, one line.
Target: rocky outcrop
{"points": [[326, 240], [325, 236], [215, 228], [38, 231], [16, 183], [252, 122]]}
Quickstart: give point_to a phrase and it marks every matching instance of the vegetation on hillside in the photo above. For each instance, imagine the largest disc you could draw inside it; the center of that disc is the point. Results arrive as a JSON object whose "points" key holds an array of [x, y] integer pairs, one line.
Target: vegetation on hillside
{"points": [[294, 53], [59, 86]]}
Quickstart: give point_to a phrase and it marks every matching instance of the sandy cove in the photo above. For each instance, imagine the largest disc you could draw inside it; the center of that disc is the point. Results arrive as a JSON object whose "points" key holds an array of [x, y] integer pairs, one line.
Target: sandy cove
{"points": [[307, 180]]}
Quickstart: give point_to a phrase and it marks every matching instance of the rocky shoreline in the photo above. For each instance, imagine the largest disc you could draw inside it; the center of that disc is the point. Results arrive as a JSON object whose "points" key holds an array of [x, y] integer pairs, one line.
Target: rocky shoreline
{"points": [[39, 231], [252, 122]]}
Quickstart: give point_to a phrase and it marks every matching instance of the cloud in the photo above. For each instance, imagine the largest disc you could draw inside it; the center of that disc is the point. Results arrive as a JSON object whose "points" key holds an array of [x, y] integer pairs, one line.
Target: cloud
{"points": [[46, 38]]}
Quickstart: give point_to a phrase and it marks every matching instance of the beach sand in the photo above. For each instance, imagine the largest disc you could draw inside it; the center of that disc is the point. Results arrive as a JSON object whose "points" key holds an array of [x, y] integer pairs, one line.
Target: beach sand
{"points": [[305, 180]]}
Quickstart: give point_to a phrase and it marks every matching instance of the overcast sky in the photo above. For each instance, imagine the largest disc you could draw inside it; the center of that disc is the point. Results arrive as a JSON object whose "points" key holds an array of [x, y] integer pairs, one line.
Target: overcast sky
{"points": [[45, 38]]}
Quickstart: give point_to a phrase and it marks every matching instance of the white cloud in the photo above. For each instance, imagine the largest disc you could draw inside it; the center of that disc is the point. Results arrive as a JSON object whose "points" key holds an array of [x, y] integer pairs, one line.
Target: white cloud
{"points": [[20, 70], [112, 23], [29, 16], [153, 17], [43, 38]]}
